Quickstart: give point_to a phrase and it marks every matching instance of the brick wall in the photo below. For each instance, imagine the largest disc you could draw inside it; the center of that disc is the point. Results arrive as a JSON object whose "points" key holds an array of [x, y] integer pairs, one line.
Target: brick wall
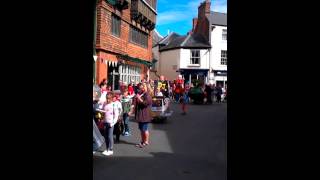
{"points": [[107, 42], [108, 45]]}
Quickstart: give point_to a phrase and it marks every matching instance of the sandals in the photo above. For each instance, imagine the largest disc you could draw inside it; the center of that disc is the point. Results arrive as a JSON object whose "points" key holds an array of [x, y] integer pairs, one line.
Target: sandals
{"points": [[142, 144]]}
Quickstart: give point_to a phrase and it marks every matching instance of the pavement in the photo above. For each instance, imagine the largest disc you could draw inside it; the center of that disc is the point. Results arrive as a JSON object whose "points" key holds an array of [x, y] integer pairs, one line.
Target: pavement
{"points": [[191, 146]]}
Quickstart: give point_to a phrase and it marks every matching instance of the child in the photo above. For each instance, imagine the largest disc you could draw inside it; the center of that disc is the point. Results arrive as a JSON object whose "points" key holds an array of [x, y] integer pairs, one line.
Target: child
{"points": [[183, 100], [126, 102], [130, 89], [110, 120], [118, 112], [159, 93], [103, 88]]}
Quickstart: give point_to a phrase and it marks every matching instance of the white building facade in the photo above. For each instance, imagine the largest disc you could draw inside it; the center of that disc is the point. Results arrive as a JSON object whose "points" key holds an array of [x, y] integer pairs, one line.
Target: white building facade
{"points": [[183, 55], [218, 40], [201, 55]]}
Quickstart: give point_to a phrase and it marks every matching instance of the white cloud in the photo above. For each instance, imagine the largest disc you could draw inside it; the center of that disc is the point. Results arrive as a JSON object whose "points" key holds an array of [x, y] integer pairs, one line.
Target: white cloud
{"points": [[219, 6], [185, 12], [178, 12]]}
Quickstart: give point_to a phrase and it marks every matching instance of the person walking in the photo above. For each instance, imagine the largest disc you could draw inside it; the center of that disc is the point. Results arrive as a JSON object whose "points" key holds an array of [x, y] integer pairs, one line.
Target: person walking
{"points": [[208, 91], [219, 93], [141, 107], [183, 101], [126, 102]]}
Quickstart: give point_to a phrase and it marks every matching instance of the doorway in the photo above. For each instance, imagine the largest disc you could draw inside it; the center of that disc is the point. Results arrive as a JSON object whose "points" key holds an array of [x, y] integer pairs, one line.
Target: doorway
{"points": [[113, 77]]}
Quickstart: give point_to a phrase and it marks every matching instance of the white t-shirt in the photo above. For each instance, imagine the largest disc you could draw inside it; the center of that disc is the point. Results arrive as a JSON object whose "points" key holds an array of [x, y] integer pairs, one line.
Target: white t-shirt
{"points": [[110, 113], [159, 93], [118, 107]]}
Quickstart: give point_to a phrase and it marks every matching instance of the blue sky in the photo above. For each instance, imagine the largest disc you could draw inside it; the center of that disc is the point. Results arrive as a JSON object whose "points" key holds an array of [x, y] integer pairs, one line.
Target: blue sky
{"points": [[176, 15]]}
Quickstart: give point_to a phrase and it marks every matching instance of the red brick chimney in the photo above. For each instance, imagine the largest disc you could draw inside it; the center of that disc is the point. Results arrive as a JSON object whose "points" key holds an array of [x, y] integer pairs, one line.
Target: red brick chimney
{"points": [[194, 24], [202, 24], [204, 9]]}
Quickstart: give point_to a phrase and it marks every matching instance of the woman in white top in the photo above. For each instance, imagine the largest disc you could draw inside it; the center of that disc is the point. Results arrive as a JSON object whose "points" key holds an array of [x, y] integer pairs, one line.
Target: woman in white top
{"points": [[110, 119]]}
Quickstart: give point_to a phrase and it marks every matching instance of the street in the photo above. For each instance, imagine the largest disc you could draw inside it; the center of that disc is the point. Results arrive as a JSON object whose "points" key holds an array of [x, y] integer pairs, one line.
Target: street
{"points": [[191, 146]]}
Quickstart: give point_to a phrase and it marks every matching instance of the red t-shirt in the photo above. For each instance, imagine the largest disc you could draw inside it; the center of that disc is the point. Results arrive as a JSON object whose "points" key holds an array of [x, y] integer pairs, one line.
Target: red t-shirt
{"points": [[130, 90]]}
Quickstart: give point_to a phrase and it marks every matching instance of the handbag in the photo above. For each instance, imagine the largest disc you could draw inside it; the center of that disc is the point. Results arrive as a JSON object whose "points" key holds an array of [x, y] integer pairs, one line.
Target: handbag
{"points": [[101, 124]]}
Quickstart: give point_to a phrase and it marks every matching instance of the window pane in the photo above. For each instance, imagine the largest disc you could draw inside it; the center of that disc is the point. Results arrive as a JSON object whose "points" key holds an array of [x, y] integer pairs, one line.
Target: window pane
{"points": [[224, 34], [139, 37], [116, 23]]}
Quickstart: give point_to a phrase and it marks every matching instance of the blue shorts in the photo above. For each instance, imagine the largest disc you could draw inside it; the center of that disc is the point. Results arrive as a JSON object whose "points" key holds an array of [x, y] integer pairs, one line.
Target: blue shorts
{"points": [[143, 126]]}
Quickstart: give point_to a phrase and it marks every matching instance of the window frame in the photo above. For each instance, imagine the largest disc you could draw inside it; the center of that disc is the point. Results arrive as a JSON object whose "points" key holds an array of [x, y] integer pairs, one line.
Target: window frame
{"points": [[138, 37], [130, 72], [115, 23], [224, 57], [224, 34], [193, 58]]}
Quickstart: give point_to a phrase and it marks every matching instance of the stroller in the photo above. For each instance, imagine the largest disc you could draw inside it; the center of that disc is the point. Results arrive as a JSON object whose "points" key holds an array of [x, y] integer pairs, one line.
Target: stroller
{"points": [[160, 110], [98, 140]]}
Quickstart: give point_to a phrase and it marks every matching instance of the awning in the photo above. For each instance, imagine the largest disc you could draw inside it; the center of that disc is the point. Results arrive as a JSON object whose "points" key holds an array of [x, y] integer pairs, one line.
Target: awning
{"points": [[136, 60], [220, 73], [194, 71]]}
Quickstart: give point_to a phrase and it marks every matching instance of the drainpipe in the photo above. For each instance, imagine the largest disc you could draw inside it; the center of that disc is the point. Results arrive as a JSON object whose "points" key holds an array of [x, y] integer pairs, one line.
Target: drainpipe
{"points": [[95, 38], [209, 73]]}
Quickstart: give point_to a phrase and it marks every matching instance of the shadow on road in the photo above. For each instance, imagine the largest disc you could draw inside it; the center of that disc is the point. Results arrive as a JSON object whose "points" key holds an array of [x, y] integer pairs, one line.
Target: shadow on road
{"points": [[191, 146]]}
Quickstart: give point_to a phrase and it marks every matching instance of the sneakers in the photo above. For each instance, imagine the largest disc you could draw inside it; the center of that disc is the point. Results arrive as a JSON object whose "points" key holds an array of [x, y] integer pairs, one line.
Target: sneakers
{"points": [[107, 153], [110, 153], [126, 134]]}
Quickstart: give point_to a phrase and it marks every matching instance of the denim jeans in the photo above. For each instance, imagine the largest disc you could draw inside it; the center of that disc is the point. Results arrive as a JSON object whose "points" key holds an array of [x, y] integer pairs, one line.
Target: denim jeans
{"points": [[126, 122], [109, 136], [177, 96]]}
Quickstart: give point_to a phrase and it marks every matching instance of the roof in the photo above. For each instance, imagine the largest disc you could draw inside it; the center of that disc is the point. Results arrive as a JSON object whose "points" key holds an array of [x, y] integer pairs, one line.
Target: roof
{"points": [[196, 40], [156, 37], [174, 41], [168, 38], [218, 18]]}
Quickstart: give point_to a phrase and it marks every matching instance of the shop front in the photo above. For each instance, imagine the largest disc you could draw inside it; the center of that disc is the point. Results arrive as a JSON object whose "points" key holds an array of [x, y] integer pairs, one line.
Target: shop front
{"points": [[221, 78], [190, 75], [122, 68]]}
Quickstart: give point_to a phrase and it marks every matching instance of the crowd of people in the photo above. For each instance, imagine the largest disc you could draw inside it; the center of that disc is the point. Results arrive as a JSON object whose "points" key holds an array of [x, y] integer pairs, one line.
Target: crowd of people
{"points": [[112, 110]]}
